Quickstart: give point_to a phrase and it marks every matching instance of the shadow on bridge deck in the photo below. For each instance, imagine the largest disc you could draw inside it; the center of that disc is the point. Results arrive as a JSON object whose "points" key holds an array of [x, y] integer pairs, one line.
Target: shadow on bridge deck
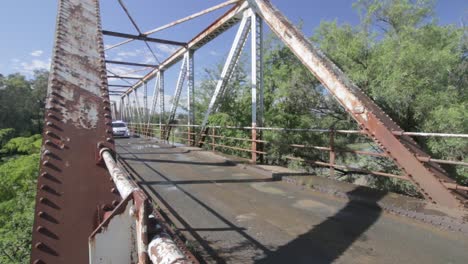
{"points": [[237, 216]]}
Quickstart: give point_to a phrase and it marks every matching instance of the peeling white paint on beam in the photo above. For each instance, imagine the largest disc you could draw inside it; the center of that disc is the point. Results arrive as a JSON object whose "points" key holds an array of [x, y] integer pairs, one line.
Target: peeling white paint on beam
{"points": [[163, 250], [123, 184]]}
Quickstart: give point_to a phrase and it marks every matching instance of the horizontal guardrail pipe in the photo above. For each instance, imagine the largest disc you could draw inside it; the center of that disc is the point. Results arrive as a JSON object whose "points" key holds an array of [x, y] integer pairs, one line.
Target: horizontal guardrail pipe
{"points": [[428, 134], [422, 134], [123, 184], [162, 249]]}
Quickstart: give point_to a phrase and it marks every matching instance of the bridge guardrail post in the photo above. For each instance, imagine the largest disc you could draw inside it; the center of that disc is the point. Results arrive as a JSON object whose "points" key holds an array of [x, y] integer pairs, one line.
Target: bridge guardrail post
{"points": [[332, 153], [254, 144], [213, 140]]}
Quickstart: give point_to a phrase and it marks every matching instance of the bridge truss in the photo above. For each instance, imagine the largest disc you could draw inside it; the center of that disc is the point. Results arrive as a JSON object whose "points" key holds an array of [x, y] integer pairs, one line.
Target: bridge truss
{"points": [[85, 197]]}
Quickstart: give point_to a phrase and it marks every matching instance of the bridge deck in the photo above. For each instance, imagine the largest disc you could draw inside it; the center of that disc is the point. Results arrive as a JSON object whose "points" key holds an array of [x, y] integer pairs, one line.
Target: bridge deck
{"points": [[235, 215]]}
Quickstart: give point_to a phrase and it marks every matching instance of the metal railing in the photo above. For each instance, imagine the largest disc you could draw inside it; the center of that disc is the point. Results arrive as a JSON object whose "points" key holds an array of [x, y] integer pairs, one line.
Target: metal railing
{"points": [[148, 240], [217, 140]]}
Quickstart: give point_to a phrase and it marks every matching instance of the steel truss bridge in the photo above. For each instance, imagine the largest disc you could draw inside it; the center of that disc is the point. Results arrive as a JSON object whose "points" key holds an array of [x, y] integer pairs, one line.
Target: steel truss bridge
{"points": [[88, 208]]}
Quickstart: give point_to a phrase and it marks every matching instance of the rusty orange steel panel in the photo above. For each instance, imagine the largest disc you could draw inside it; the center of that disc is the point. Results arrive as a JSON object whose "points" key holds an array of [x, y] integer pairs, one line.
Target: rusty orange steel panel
{"points": [[74, 189]]}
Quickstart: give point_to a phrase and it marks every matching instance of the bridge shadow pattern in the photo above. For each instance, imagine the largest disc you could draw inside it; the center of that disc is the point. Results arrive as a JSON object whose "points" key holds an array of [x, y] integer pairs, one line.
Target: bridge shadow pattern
{"points": [[324, 243]]}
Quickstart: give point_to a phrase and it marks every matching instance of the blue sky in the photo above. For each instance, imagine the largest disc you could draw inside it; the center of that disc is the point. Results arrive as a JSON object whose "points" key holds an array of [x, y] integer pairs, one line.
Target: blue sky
{"points": [[27, 29]]}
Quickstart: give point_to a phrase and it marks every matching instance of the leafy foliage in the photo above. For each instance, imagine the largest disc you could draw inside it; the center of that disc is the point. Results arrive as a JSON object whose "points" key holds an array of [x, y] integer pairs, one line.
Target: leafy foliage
{"points": [[21, 114], [412, 67], [17, 192], [23, 145], [22, 102]]}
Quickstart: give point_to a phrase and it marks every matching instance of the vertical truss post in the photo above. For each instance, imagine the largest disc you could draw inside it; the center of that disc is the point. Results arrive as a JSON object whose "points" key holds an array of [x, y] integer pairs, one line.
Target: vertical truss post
{"points": [[332, 153], [122, 109], [73, 190], [175, 103], [161, 103], [129, 110], [190, 96], [114, 110], [228, 68], [429, 177], [125, 109], [145, 105], [138, 111], [257, 80], [153, 102]]}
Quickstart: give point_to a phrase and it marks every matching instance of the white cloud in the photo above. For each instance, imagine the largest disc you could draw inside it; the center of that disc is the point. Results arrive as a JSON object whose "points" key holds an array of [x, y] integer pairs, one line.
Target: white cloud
{"points": [[37, 53], [167, 49], [28, 67], [127, 54], [214, 53]]}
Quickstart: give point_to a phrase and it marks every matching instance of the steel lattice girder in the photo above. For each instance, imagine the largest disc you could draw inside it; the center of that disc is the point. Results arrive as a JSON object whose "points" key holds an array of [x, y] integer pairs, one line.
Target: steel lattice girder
{"points": [[178, 91], [73, 191], [228, 68], [370, 117]]}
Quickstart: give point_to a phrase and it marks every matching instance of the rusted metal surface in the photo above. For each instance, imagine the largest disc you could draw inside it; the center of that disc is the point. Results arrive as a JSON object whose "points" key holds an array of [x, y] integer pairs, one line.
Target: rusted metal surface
{"points": [[162, 249], [428, 177], [206, 11], [124, 234], [114, 240], [73, 190], [142, 37], [119, 177]]}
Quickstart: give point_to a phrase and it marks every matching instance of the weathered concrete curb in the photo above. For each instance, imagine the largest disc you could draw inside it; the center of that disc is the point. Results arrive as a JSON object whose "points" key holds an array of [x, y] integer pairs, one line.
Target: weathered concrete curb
{"points": [[444, 218]]}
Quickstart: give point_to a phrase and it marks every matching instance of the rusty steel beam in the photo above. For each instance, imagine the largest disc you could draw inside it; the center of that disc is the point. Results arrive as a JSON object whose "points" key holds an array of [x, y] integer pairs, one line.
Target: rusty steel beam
{"points": [[73, 189], [118, 85], [369, 116], [131, 63], [222, 24], [179, 21], [124, 77], [142, 37]]}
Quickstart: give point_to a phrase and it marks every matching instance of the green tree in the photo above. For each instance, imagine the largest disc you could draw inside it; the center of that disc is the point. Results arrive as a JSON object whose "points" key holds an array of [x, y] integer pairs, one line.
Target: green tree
{"points": [[18, 172], [412, 67], [22, 102]]}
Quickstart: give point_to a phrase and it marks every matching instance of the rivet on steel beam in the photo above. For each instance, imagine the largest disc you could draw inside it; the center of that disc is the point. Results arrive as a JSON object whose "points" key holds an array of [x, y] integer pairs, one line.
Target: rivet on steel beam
{"points": [[109, 139], [108, 131], [38, 261], [50, 115], [50, 124], [114, 190], [47, 152], [101, 144], [39, 245], [107, 115], [115, 203], [106, 108]]}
